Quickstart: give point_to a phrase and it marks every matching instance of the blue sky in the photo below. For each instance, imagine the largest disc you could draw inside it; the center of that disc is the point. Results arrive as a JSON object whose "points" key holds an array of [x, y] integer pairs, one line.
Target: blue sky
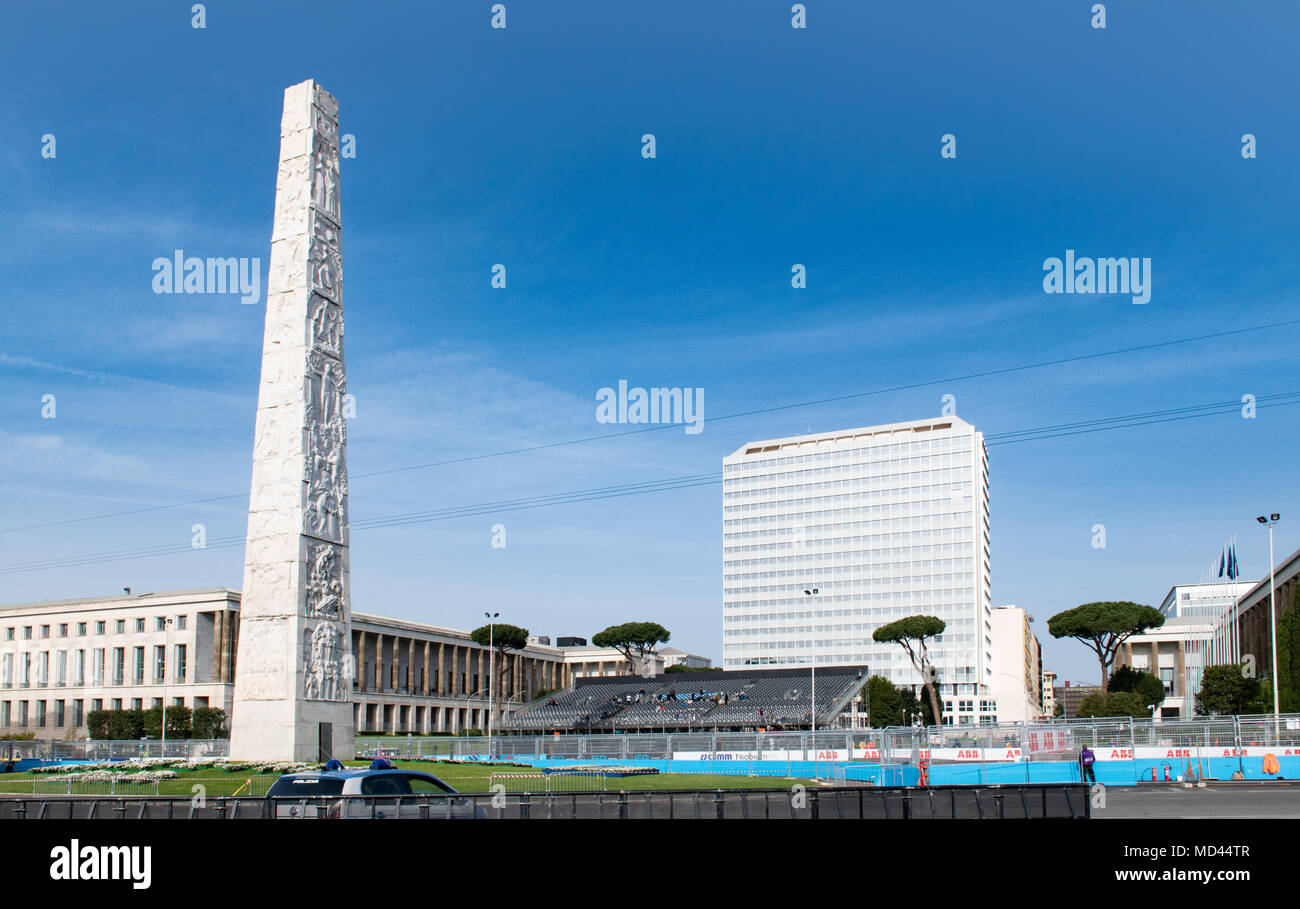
{"points": [[775, 146]]}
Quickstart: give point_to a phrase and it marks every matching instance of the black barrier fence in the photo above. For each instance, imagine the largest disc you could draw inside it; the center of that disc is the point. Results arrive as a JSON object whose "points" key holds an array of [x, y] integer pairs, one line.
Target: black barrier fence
{"points": [[848, 803]]}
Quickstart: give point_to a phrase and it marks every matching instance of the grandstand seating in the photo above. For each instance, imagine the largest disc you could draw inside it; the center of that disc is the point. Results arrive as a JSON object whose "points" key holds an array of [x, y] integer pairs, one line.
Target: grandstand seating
{"points": [[581, 707], [737, 700]]}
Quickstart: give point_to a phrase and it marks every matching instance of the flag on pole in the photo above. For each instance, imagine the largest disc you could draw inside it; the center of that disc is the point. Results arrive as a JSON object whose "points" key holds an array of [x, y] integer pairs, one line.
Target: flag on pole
{"points": [[1220, 563], [1232, 563]]}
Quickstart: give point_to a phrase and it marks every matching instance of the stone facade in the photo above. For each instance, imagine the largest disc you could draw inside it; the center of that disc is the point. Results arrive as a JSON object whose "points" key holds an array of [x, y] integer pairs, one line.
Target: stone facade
{"points": [[293, 690], [61, 659]]}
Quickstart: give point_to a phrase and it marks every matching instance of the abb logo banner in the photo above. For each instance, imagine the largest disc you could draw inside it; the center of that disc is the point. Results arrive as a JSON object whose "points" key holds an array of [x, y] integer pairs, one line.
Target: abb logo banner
{"points": [[1214, 751]]}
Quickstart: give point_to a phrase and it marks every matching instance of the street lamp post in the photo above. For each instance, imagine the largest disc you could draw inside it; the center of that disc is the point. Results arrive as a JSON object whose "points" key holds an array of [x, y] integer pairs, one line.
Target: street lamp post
{"points": [[167, 627], [812, 720], [1272, 618], [492, 672]]}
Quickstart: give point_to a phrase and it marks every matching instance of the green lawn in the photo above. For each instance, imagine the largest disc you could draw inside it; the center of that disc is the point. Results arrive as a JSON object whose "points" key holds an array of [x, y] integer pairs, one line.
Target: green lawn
{"points": [[215, 784], [473, 777], [467, 777]]}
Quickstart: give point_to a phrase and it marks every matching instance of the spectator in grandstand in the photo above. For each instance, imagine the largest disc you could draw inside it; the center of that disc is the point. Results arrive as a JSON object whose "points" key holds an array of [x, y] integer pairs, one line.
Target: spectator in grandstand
{"points": [[1086, 760]]}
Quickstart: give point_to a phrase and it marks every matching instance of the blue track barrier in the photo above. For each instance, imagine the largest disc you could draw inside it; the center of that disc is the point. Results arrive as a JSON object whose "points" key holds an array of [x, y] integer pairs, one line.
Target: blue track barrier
{"points": [[1110, 773]]}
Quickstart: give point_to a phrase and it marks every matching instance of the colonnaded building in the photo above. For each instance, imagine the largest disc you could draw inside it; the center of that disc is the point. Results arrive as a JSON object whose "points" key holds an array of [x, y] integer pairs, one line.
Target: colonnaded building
{"points": [[61, 659]]}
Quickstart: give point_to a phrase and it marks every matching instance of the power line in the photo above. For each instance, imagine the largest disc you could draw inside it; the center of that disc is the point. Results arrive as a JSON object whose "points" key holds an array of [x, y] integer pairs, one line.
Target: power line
{"points": [[658, 427], [1141, 419], [666, 485], [498, 507]]}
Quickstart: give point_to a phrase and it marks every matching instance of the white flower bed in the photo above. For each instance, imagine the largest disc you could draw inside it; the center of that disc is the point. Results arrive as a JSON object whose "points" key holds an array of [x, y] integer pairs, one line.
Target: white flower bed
{"points": [[100, 776], [221, 765]]}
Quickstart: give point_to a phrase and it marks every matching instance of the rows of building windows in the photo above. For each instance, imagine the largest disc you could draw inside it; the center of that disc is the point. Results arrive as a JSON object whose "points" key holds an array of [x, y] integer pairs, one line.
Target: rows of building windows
{"points": [[864, 488], [753, 612], [754, 473], [888, 524], [926, 597], [918, 592], [893, 666], [781, 554], [900, 502], [850, 476], [927, 447], [876, 548], [780, 635], [802, 527], [82, 628], [737, 529], [77, 668], [914, 574]]}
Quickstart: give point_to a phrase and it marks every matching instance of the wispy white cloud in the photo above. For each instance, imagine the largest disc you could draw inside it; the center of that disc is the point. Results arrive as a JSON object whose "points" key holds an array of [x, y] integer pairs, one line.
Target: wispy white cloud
{"points": [[61, 459], [163, 225], [19, 362]]}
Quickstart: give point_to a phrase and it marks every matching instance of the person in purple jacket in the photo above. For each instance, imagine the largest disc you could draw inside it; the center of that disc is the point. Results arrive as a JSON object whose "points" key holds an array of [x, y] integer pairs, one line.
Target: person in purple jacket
{"points": [[1086, 760]]}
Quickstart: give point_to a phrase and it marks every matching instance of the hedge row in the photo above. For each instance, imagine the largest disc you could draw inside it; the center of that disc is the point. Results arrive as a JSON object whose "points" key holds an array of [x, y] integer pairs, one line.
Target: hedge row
{"points": [[182, 723]]}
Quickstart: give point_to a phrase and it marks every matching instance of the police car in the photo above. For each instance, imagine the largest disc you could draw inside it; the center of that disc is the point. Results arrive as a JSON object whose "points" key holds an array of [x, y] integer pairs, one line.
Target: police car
{"points": [[377, 791]]}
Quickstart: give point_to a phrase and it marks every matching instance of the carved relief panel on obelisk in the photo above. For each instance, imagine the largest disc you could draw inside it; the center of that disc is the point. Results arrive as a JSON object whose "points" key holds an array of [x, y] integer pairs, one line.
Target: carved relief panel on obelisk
{"points": [[293, 684]]}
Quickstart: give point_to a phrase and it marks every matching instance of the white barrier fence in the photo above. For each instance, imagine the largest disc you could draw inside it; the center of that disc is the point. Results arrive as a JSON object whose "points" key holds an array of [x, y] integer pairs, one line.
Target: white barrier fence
{"points": [[555, 782], [1110, 739]]}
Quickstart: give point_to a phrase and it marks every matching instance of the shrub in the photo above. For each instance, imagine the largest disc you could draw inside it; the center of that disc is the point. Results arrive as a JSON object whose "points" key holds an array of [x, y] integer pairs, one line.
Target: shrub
{"points": [[178, 722], [125, 724], [97, 723], [208, 723]]}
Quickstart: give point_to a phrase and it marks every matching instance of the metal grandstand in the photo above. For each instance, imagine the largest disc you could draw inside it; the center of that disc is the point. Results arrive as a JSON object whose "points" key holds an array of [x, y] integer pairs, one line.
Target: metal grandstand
{"points": [[744, 700]]}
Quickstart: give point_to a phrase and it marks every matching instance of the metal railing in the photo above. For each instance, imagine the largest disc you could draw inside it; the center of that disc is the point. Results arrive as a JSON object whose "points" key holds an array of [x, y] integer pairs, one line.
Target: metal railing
{"points": [[544, 782], [874, 802], [892, 743], [125, 784], [105, 750]]}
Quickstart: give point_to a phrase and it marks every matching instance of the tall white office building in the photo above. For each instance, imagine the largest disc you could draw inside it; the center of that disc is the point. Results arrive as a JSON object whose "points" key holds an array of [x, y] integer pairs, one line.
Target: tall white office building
{"points": [[827, 537]]}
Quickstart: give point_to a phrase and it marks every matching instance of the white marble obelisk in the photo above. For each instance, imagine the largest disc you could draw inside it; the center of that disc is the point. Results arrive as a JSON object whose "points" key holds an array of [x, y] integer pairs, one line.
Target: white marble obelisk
{"points": [[293, 684]]}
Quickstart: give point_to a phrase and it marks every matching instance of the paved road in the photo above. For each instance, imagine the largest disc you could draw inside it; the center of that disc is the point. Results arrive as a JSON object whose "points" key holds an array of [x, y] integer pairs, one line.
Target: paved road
{"points": [[1216, 800]]}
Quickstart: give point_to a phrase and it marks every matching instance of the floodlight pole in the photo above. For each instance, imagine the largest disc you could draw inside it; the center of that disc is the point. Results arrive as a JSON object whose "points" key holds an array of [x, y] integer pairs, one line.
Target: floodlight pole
{"points": [[812, 719], [1272, 624], [492, 704], [167, 625]]}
